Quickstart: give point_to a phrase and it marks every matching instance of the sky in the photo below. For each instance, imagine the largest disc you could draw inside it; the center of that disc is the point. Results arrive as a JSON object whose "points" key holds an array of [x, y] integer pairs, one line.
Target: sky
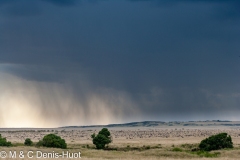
{"points": [[89, 62]]}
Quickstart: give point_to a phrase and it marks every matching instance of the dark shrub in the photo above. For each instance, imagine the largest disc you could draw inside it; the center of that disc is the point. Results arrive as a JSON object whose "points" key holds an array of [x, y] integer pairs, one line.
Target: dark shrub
{"points": [[28, 142], [102, 138], [216, 142], [104, 132], [100, 141], [52, 140], [3, 142]]}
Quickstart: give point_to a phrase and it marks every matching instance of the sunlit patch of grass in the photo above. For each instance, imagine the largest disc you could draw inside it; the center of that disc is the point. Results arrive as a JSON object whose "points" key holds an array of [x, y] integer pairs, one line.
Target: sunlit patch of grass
{"points": [[207, 154], [17, 144], [125, 148]]}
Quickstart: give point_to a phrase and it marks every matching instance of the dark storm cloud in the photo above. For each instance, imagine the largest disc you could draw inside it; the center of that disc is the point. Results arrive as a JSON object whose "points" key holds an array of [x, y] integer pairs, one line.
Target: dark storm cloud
{"points": [[166, 62], [62, 2], [229, 8], [19, 8]]}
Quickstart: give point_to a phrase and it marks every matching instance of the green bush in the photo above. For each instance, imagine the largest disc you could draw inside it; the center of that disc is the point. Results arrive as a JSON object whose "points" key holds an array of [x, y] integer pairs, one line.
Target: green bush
{"points": [[177, 150], [216, 142], [4, 142], [104, 132], [52, 140], [102, 138], [28, 142]]}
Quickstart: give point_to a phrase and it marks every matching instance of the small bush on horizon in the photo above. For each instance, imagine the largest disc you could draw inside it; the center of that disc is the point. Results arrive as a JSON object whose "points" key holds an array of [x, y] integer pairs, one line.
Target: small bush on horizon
{"points": [[4, 142], [28, 142], [52, 140]]}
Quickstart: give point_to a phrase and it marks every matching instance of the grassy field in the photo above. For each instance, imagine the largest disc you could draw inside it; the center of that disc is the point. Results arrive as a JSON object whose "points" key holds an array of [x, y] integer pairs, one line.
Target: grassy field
{"points": [[129, 151], [129, 143]]}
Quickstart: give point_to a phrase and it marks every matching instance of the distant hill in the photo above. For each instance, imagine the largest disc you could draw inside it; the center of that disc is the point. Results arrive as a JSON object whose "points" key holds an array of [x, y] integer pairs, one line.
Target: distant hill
{"points": [[161, 124]]}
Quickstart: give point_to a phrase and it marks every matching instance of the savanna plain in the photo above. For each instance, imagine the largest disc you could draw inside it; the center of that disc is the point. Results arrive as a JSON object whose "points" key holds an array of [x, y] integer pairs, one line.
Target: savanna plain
{"points": [[166, 142]]}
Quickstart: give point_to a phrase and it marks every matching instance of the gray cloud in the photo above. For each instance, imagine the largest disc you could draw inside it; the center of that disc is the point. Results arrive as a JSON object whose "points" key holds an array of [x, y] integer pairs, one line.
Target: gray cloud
{"points": [[62, 2], [179, 61], [14, 8]]}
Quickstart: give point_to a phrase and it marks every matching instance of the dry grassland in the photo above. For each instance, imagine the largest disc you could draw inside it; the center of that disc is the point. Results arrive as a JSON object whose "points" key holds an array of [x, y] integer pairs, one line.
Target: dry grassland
{"points": [[166, 143]]}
